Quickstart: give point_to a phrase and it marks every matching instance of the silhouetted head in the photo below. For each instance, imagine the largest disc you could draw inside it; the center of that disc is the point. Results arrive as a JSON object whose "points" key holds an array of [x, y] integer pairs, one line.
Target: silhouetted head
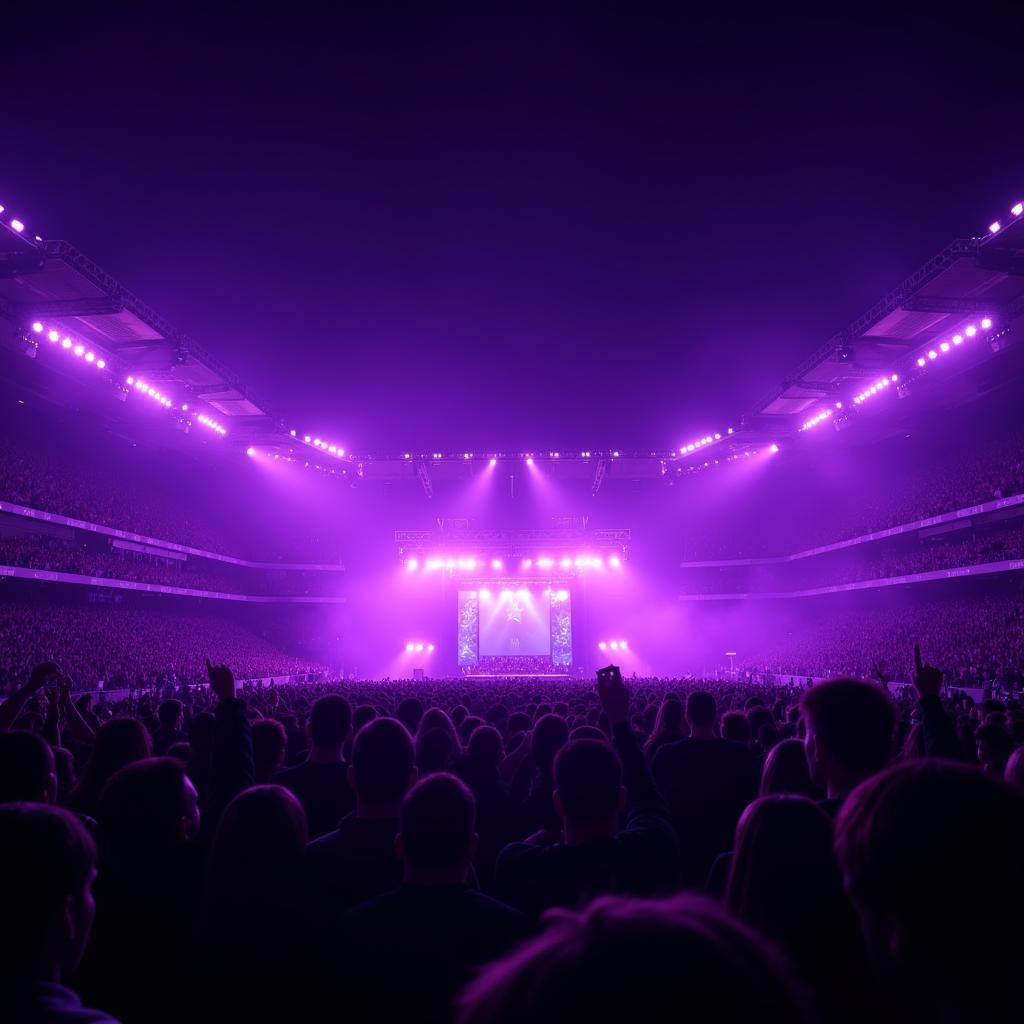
{"points": [[588, 777], [850, 727], [631, 960], [786, 770], [437, 838], [329, 721], [898, 837], [28, 771], [701, 710], [383, 767], [49, 865], [147, 811]]}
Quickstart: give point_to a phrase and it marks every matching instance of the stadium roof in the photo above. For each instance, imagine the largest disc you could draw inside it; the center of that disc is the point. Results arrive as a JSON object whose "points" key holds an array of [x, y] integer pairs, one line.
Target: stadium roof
{"points": [[898, 341]]}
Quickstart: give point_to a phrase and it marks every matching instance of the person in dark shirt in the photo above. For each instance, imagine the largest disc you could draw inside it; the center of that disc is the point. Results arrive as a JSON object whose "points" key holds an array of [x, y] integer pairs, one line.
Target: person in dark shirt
{"points": [[49, 865], [409, 952], [595, 856], [321, 781], [170, 715], [358, 860], [707, 782], [850, 727]]}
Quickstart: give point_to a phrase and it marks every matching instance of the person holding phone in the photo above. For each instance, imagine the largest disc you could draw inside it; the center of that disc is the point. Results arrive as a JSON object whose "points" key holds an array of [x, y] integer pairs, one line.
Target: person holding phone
{"points": [[615, 837]]}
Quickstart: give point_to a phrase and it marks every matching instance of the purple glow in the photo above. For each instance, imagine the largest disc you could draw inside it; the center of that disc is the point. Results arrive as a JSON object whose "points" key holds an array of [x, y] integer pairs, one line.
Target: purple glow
{"points": [[774, 449], [53, 335], [994, 227], [496, 563], [250, 452], [971, 331], [101, 364], [932, 354], [944, 346], [615, 562], [986, 324], [921, 360], [602, 645], [65, 343], [90, 357], [1017, 209], [17, 225], [529, 460], [492, 463], [410, 646], [37, 327]]}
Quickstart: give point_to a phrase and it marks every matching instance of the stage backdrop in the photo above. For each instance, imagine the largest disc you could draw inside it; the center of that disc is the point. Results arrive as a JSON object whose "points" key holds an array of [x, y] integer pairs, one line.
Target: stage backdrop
{"points": [[507, 622]]}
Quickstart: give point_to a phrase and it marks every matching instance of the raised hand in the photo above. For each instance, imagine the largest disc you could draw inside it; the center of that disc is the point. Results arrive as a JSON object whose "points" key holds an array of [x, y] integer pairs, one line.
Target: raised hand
{"points": [[927, 679], [222, 681], [613, 694]]}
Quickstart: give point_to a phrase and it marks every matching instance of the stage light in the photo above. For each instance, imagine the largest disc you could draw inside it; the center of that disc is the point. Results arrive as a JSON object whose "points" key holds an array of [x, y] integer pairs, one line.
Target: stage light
{"points": [[37, 327], [184, 406], [419, 647], [932, 354], [623, 644], [895, 377], [65, 343], [430, 647], [1017, 209], [529, 460], [17, 225], [603, 645], [102, 364], [971, 331], [470, 563], [774, 449], [492, 463], [615, 455], [412, 565], [986, 323], [921, 361], [545, 563], [79, 350], [495, 563], [307, 439], [527, 563], [410, 646], [994, 227], [53, 335], [566, 563], [615, 562], [450, 564], [614, 645], [333, 449], [562, 595], [839, 405], [944, 346], [90, 357]]}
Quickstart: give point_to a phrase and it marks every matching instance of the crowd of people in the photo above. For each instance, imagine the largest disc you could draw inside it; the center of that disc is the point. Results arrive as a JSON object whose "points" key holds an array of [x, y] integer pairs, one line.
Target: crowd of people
{"points": [[978, 641], [511, 850], [101, 560], [873, 561], [114, 647]]}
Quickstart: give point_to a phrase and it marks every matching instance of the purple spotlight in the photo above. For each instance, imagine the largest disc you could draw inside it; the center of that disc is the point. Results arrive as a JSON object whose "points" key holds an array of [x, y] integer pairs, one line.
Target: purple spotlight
{"points": [[79, 350], [90, 357], [986, 324], [529, 460], [131, 380], [895, 377], [419, 647], [920, 360], [65, 343], [412, 565], [994, 227], [102, 365], [410, 646], [614, 645], [184, 406], [492, 463], [1017, 209], [17, 225], [527, 563], [615, 562], [603, 645], [496, 563], [932, 354], [53, 336], [971, 331], [623, 644], [566, 563], [545, 563], [250, 452], [944, 346], [430, 647], [774, 449], [37, 327]]}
